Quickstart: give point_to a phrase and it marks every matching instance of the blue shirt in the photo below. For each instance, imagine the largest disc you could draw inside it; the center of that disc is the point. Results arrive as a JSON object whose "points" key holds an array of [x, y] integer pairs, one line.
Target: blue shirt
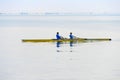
{"points": [[71, 36], [58, 36]]}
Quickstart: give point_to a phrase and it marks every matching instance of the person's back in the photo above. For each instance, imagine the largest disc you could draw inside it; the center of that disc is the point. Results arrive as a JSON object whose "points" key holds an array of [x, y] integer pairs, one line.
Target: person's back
{"points": [[58, 36], [71, 36]]}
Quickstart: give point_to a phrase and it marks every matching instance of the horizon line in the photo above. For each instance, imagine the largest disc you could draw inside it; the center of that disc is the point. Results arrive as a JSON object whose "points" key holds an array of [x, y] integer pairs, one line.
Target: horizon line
{"points": [[61, 13]]}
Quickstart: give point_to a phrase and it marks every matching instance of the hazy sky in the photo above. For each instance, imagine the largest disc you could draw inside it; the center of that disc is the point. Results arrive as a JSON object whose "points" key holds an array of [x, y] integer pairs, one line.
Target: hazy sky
{"points": [[96, 6]]}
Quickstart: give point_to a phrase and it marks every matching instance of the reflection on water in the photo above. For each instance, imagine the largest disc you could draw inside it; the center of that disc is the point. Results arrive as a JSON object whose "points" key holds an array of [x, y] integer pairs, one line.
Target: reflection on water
{"points": [[71, 43], [74, 61], [58, 45]]}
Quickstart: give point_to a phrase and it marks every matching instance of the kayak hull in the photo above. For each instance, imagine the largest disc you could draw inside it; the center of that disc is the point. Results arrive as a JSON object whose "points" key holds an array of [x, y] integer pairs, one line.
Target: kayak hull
{"points": [[66, 40]]}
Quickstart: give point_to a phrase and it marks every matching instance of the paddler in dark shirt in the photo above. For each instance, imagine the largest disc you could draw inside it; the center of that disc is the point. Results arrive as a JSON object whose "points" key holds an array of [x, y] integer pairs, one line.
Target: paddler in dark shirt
{"points": [[58, 37], [71, 36]]}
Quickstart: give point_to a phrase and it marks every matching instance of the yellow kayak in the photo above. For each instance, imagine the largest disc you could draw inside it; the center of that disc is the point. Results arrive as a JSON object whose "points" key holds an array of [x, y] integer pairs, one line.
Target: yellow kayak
{"points": [[67, 40]]}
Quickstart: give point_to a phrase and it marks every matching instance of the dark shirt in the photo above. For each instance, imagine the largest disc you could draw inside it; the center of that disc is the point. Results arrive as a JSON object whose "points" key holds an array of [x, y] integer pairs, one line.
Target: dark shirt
{"points": [[71, 36], [58, 36]]}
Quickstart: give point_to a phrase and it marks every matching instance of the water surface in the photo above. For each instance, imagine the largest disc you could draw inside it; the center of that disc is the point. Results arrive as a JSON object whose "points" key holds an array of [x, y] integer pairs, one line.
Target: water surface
{"points": [[45, 61]]}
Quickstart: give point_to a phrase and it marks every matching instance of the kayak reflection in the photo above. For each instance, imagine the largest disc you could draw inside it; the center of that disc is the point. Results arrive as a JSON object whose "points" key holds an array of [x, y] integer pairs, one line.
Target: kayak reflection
{"points": [[60, 44], [71, 43]]}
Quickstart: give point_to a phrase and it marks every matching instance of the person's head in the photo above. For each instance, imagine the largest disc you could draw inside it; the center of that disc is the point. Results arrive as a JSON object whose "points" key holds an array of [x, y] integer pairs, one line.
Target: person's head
{"points": [[57, 32], [70, 32]]}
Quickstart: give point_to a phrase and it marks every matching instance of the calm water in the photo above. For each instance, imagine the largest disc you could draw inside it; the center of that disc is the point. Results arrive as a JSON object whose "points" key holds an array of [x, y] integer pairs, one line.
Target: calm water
{"points": [[44, 61]]}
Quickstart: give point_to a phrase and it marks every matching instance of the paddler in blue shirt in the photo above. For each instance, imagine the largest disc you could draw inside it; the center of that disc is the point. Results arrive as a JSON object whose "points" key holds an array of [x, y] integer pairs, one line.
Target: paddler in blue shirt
{"points": [[71, 36], [58, 36]]}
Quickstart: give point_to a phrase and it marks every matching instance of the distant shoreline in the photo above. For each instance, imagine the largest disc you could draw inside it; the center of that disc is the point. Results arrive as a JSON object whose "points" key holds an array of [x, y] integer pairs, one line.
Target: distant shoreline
{"points": [[56, 14]]}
